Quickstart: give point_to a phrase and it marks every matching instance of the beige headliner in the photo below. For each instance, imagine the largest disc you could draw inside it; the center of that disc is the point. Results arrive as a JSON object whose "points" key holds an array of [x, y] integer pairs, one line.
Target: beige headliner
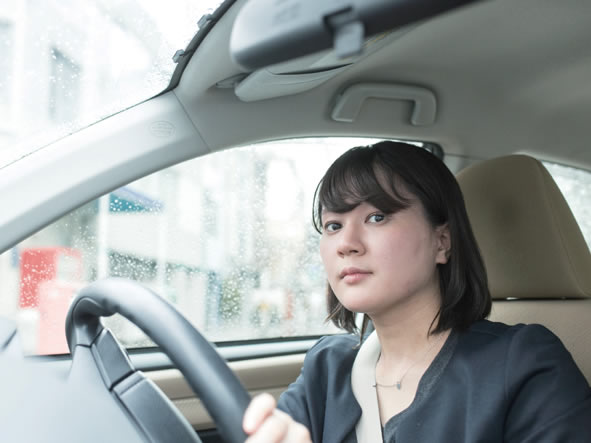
{"points": [[509, 76]]}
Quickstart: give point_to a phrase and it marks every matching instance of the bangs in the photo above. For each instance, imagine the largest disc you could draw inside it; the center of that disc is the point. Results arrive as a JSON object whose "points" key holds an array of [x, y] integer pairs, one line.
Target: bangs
{"points": [[354, 178]]}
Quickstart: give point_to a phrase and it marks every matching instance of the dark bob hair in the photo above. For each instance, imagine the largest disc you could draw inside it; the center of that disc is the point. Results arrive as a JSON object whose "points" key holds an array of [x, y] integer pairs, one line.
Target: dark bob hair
{"points": [[379, 174]]}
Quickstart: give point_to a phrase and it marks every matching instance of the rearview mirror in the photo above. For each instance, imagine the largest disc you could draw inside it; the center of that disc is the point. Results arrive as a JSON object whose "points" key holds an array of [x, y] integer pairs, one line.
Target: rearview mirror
{"points": [[272, 31]]}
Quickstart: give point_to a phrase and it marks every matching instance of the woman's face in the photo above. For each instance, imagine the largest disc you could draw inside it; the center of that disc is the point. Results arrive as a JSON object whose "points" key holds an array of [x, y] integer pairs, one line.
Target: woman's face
{"points": [[376, 262]]}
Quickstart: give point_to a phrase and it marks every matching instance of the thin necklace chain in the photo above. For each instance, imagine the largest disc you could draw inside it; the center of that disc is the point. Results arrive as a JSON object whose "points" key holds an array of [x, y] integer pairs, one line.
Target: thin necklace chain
{"points": [[398, 384]]}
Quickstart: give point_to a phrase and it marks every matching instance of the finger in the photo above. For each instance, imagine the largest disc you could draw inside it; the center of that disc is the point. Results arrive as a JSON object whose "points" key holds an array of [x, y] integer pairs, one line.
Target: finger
{"points": [[261, 407], [296, 432], [273, 430]]}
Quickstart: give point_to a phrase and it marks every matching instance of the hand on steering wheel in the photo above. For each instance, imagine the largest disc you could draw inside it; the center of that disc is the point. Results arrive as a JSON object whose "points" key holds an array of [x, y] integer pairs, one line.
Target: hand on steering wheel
{"points": [[266, 424]]}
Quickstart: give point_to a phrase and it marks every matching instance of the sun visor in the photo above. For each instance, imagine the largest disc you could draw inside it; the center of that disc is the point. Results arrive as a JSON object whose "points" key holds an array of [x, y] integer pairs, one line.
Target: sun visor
{"points": [[263, 84], [305, 73]]}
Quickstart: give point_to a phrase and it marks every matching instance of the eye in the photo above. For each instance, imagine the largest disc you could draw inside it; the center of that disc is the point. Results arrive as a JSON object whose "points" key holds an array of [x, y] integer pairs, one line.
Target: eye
{"points": [[331, 226], [376, 218]]}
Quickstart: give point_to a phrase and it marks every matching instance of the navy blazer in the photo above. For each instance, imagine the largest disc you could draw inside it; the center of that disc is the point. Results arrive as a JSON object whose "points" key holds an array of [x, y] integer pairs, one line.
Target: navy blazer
{"points": [[502, 384]]}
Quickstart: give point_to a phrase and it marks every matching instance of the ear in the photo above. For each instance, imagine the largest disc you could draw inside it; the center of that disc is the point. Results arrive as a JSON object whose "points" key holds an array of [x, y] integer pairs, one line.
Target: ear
{"points": [[443, 239]]}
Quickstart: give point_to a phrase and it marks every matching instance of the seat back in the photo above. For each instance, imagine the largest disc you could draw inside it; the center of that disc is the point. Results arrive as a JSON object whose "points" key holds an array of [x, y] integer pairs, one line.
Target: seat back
{"points": [[537, 260]]}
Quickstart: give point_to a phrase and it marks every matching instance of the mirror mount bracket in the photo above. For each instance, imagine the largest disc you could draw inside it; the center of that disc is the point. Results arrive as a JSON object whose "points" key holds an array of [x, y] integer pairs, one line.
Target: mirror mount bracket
{"points": [[348, 33]]}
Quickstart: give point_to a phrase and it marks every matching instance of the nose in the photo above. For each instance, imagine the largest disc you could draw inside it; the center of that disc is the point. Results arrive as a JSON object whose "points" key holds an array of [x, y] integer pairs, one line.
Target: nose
{"points": [[350, 241]]}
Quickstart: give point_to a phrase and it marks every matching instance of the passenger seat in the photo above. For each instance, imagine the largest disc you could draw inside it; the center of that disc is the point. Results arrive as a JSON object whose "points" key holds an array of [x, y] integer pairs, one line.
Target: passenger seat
{"points": [[538, 263]]}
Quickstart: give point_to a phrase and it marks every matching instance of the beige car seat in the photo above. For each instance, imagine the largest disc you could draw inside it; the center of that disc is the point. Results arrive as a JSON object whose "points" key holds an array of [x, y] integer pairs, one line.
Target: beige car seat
{"points": [[538, 263]]}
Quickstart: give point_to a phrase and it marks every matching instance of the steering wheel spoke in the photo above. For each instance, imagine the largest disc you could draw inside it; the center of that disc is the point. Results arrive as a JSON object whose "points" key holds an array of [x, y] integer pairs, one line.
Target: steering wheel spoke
{"points": [[206, 372]]}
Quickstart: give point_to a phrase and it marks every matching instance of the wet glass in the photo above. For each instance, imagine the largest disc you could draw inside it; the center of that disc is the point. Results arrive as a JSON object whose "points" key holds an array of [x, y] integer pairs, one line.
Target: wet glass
{"points": [[70, 63], [227, 238]]}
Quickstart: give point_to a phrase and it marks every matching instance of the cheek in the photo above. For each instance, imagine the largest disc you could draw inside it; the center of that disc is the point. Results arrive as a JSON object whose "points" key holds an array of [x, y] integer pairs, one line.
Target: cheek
{"points": [[406, 252], [327, 255], [324, 251], [396, 250]]}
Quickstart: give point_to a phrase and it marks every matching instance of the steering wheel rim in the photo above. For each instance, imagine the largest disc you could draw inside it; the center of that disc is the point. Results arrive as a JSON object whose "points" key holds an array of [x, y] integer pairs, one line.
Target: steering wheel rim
{"points": [[205, 371]]}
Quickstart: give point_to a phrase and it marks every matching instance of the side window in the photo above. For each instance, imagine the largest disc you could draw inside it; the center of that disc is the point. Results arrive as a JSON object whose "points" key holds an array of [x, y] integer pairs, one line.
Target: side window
{"points": [[6, 70], [227, 238], [575, 185]]}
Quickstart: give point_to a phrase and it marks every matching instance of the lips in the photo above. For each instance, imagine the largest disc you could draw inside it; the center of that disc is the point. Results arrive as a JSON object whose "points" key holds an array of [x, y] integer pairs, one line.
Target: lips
{"points": [[353, 275]]}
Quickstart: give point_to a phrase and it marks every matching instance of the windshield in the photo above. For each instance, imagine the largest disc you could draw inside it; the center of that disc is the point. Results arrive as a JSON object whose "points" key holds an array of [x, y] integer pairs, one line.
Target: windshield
{"points": [[66, 64]]}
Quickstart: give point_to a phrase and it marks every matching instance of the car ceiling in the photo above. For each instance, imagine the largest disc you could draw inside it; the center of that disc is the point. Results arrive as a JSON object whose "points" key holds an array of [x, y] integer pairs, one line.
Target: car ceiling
{"points": [[509, 76]]}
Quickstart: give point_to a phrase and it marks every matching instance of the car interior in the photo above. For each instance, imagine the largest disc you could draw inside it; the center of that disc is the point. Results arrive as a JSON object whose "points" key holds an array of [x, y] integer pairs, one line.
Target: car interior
{"points": [[498, 89]]}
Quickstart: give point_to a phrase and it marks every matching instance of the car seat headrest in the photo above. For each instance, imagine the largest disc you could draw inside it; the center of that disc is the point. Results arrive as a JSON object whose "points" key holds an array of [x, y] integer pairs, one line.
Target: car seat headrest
{"points": [[530, 241]]}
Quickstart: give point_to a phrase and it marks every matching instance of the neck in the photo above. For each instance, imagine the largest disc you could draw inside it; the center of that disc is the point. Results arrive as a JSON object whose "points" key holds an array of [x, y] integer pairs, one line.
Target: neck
{"points": [[404, 332]]}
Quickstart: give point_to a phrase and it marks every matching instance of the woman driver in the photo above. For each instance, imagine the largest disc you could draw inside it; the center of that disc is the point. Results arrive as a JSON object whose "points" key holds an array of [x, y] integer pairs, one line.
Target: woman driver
{"points": [[397, 246]]}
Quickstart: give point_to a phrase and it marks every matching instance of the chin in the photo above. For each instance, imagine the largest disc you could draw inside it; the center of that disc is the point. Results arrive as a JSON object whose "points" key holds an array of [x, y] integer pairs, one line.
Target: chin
{"points": [[359, 307]]}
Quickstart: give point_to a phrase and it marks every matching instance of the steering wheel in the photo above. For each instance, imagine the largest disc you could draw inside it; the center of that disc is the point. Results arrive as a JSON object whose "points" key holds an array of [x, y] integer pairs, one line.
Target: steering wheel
{"points": [[205, 371]]}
